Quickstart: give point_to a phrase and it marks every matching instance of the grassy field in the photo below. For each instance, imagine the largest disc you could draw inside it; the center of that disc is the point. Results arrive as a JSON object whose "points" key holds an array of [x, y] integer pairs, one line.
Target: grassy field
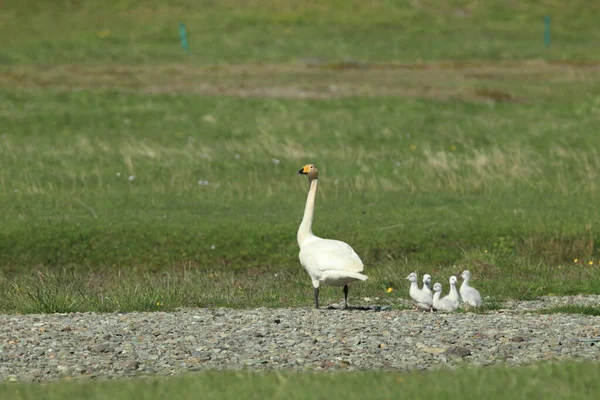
{"points": [[134, 176], [231, 31], [546, 381]]}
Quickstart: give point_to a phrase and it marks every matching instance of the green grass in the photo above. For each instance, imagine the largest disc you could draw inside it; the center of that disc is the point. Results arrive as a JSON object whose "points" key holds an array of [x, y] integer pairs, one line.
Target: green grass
{"points": [[277, 30], [546, 381], [515, 209], [448, 163]]}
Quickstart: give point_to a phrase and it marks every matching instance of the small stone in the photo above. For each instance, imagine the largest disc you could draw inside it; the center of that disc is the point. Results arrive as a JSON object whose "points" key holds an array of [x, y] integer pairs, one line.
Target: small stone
{"points": [[517, 339], [198, 354], [79, 369], [63, 370], [458, 351], [433, 350], [102, 348], [492, 332], [132, 365]]}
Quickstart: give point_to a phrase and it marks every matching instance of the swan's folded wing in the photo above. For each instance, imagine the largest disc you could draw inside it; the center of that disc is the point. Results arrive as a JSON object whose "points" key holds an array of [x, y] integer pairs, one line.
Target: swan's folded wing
{"points": [[447, 305], [472, 296], [422, 297], [325, 255]]}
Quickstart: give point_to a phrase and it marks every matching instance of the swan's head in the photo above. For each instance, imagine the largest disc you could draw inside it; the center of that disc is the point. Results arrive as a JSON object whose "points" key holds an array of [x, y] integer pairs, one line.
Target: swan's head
{"points": [[453, 280], [427, 279], [465, 275], [310, 170], [437, 287], [412, 277]]}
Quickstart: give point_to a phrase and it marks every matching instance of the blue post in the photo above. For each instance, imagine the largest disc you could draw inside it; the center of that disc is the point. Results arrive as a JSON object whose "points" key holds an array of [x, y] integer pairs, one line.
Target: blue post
{"points": [[547, 31], [184, 42]]}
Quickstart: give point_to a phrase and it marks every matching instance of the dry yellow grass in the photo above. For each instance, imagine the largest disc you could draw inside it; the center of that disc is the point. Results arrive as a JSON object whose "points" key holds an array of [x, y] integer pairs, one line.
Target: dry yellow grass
{"points": [[470, 81]]}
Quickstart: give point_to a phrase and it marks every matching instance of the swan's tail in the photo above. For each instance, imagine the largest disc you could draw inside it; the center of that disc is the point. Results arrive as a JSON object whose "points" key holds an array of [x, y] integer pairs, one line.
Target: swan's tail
{"points": [[357, 275], [341, 277]]}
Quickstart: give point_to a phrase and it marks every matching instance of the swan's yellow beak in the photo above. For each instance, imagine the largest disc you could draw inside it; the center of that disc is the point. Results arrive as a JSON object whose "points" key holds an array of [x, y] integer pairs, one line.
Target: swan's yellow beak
{"points": [[304, 170]]}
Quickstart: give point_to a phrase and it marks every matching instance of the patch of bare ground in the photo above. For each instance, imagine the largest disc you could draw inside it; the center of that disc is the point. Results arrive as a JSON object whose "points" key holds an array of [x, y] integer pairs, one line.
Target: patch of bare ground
{"points": [[513, 82], [45, 347]]}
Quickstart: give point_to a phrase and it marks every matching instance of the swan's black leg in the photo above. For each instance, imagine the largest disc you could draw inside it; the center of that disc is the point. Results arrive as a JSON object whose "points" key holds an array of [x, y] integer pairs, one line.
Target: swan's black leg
{"points": [[346, 295], [316, 297]]}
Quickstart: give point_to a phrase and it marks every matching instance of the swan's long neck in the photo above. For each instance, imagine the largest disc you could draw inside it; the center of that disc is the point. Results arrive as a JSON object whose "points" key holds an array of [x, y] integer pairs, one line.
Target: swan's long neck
{"points": [[414, 286], [436, 296], [305, 230], [453, 290], [465, 283]]}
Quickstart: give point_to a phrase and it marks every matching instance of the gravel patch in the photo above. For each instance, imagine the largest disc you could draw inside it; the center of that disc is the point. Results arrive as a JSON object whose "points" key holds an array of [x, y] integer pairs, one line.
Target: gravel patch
{"points": [[545, 302], [94, 345]]}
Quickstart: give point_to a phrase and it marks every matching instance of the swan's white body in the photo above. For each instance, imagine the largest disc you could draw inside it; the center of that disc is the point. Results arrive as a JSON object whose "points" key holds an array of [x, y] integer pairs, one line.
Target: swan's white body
{"points": [[422, 299], [328, 262], [453, 295], [469, 294], [443, 304]]}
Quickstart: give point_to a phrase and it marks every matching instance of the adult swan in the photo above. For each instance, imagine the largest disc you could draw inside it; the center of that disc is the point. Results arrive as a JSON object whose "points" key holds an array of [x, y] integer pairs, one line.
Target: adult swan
{"points": [[328, 262]]}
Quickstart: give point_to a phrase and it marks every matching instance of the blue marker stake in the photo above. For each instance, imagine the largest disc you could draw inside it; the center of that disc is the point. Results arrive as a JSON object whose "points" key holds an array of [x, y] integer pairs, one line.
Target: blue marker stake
{"points": [[547, 31], [184, 42]]}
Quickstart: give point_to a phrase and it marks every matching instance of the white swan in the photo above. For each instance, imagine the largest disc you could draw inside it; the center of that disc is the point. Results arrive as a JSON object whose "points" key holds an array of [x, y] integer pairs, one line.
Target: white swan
{"points": [[328, 262], [422, 300], [469, 294], [444, 304], [453, 295], [426, 284]]}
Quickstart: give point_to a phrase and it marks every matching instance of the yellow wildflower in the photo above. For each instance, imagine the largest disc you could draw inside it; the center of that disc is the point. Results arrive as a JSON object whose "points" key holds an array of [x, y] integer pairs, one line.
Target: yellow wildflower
{"points": [[575, 260], [389, 290], [413, 147], [590, 262], [104, 33], [453, 148]]}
